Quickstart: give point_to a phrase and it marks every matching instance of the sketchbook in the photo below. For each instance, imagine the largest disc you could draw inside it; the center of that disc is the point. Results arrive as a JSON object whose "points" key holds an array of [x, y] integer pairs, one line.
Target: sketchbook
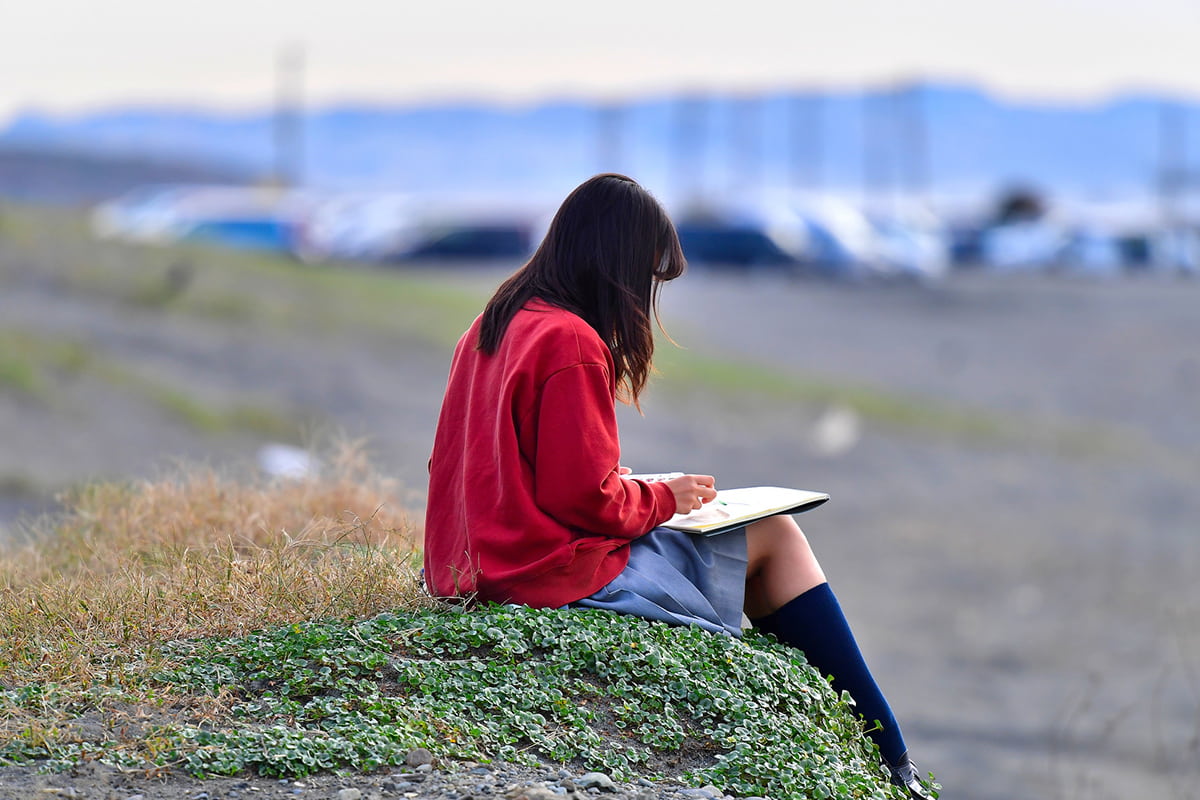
{"points": [[733, 508]]}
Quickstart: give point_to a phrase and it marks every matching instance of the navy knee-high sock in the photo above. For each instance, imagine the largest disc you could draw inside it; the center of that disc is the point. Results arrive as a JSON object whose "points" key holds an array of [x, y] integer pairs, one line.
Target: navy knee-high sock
{"points": [[814, 623]]}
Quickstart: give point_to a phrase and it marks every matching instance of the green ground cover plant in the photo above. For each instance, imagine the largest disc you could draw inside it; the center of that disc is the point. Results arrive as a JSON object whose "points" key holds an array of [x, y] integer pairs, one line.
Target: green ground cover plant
{"points": [[220, 625], [577, 686]]}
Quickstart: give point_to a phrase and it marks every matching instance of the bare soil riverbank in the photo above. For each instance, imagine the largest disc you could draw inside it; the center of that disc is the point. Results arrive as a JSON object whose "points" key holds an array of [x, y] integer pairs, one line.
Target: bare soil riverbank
{"points": [[456, 782], [1013, 465]]}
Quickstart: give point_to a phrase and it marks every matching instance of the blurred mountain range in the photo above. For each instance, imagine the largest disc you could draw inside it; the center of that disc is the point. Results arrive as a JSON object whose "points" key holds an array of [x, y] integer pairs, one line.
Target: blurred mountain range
{"points": [[941, 140]]}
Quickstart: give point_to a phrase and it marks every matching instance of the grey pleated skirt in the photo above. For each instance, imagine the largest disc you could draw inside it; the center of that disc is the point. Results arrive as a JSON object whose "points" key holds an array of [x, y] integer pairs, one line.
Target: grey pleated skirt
{"points": [[681, 579]]}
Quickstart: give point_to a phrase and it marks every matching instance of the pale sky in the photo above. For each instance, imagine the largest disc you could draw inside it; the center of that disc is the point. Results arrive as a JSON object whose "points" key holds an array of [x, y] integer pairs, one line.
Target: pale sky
{"points": [[74, 55]]}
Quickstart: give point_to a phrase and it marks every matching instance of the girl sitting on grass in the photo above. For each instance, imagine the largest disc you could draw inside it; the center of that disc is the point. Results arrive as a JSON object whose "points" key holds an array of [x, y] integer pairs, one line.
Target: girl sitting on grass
{"points": [[528, 502]]}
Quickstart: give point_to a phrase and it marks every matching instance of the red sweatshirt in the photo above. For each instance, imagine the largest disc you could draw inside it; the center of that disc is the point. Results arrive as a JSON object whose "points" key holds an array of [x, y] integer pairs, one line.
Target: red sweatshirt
{"points": [[525, 501]]}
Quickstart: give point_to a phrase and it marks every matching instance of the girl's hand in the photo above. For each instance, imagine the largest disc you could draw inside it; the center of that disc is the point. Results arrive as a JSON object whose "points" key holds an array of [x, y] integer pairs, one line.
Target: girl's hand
{"points": [[624, 471], [692, 492]]}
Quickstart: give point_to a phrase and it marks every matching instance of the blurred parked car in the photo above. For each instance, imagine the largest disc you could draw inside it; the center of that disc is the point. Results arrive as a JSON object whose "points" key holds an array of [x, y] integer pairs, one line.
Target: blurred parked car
{"points": [[817, 236], [238, 216], [730, 243], [1177, 250], [358, 226], [841, 241], [1025, 245], [1092, 251], [467, 241]]}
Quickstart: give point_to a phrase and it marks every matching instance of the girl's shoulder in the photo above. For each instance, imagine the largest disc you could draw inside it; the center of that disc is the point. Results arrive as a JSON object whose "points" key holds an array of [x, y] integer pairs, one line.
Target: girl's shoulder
{"points": [[557, 332]]}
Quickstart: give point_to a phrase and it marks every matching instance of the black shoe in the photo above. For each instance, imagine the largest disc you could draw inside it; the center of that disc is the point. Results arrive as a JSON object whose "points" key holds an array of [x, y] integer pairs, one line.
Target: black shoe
{"points": [[905, 774]]}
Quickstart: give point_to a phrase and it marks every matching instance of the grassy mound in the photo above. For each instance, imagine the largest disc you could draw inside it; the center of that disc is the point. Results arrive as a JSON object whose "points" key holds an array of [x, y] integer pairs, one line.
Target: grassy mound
{"points": [[216, 625]]}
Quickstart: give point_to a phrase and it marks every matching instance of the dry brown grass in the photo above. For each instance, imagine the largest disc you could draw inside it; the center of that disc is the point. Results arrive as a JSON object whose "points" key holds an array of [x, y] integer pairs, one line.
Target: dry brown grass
{"points": [[127, 566]]}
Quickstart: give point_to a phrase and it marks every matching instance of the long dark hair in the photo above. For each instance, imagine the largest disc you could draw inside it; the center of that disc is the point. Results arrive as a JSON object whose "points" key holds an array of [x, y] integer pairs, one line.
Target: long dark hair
{"points": [[608, 250]]}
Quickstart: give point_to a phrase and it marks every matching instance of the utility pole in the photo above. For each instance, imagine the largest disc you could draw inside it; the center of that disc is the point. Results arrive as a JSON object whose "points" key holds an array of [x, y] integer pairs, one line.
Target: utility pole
{"points": [[289, 117], [688, 147], [610, 119], [915, 163], [1172, 162], [876, 154], [806, 142], [745, 144]]}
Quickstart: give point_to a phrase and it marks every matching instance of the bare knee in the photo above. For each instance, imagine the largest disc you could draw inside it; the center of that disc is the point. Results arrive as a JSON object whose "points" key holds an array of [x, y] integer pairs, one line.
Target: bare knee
{"points": [[774, 539], [781, 564]]}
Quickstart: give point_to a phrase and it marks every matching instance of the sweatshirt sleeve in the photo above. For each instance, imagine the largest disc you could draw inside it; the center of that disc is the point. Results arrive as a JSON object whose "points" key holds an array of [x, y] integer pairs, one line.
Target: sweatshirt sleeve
{"points": [[577, 458]]}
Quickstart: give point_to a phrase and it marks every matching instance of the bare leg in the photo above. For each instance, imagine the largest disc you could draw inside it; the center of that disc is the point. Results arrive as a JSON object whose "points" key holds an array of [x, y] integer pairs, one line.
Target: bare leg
{"points": [[787, 595], [781, 565]]}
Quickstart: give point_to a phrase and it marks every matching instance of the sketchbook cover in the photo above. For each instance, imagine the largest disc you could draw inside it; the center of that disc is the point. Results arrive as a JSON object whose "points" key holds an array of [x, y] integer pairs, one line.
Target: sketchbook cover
{"points": [[733, 508]]}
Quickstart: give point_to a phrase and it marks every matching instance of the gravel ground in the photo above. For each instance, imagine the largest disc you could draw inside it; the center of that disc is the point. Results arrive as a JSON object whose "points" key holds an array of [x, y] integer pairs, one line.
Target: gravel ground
{"points": [[458, 781], [1027, 600]]}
